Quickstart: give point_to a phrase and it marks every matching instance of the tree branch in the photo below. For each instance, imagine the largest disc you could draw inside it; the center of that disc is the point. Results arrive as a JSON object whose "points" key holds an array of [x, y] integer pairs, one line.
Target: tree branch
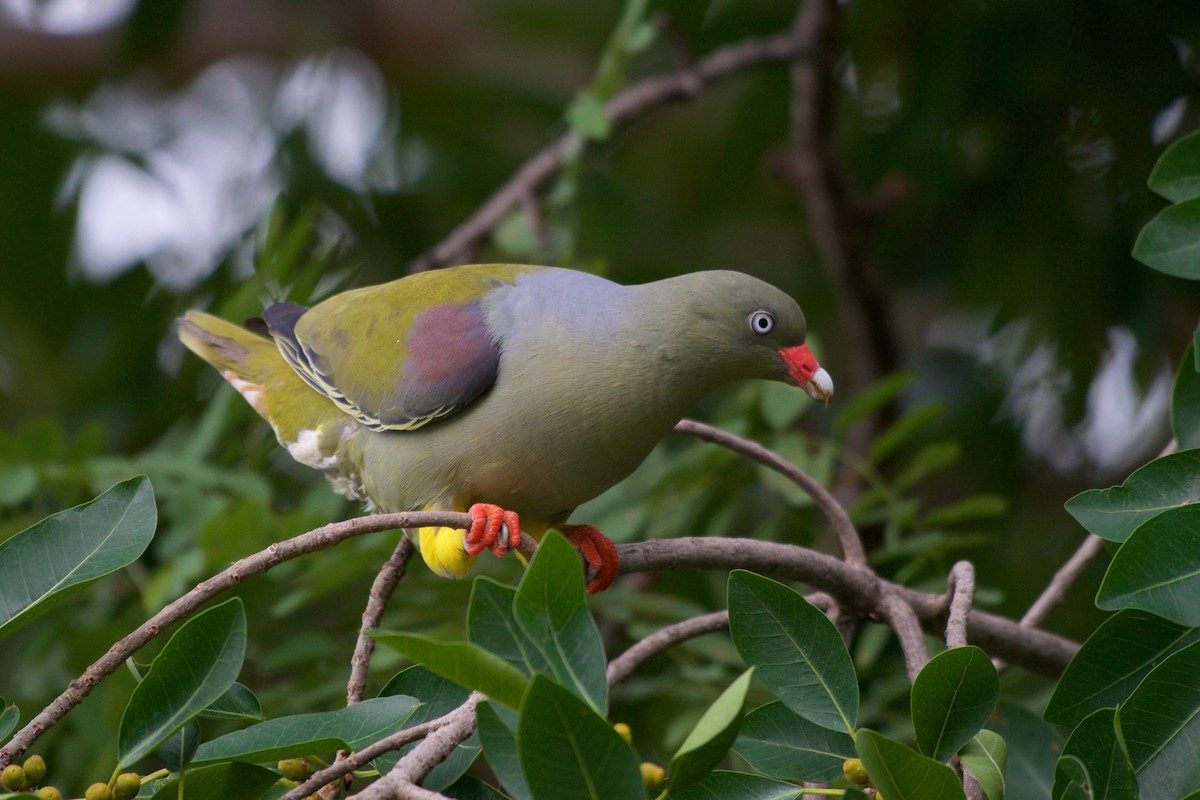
{"points": [[381, 591], [623, 665], [960, 596], [355, 760], [683, 84], [277, 553], [1056, 591], [836, 217], [847, 534], [410, 770], [903, 620], [857, 589]]}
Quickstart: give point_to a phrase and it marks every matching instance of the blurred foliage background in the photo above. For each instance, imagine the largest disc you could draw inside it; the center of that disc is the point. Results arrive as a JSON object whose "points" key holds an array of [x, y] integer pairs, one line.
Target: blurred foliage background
{"points": [[160, 156]]}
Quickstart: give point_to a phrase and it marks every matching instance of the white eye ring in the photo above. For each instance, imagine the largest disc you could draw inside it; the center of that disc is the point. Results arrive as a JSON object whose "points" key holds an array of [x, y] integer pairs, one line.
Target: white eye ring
{"points": [[761, 322]]}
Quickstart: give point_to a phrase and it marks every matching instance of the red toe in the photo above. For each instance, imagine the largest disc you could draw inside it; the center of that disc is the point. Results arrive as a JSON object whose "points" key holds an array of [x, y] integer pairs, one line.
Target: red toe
{"points": [[492, 528], [599, 555]]}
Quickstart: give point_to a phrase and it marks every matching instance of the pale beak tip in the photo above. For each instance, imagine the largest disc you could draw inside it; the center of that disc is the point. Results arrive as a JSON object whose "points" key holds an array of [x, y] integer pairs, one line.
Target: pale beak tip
{"points": [[820, 387]]}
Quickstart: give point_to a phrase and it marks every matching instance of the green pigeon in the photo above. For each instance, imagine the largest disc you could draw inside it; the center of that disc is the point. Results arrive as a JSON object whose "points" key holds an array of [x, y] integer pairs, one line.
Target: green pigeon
{"points": [[513, 392]]}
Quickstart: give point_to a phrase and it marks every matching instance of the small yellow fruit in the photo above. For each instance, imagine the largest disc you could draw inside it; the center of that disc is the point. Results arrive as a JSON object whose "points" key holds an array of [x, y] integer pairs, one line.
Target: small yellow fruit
{"points": [[35, 768], [855, 772], [48, 793], [98, 791], [652, 775], [623, 731], [294, 769], [13, 778], [127, 786]]}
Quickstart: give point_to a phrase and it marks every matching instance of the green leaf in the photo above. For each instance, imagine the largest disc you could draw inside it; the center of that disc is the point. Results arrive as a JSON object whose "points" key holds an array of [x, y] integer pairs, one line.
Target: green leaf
{"points": [[176, 753], [198, 664], [1112, 662], [1033, 748], [1170, 242], [796, 650], [492, 625], [48, 562], [737, 786], [1158, 569], [587, 117], [551, 609], [1185, 402], [569, 751], [1095, 747], [500, 751], [986, 756], [952, 698], [783, 744], [1176, 176], [232, 780], [9, 718], [1160, 727], [468, 787], [238, 703], [710, 739], [438, 697], [516, 237], [1071, 780], [352, 727], [463, 663], [1165, 483], [900, 773]]}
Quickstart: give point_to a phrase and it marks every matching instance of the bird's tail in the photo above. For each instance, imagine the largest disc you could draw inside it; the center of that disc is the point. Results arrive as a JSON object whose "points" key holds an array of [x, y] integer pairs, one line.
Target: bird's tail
{"points": [[253, 365]]}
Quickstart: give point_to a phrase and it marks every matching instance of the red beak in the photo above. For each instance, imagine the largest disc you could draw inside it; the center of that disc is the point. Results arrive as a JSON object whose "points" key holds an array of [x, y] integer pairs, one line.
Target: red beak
{"points": [[805, 372]]}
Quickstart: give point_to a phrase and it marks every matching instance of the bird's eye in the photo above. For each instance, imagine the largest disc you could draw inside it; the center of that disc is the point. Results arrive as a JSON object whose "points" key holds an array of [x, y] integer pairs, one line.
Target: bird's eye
{"points": [[761, 322]]}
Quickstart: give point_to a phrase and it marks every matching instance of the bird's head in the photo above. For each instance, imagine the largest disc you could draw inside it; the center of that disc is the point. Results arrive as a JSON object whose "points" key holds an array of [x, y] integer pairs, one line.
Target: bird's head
{"points": [[762, 330]]}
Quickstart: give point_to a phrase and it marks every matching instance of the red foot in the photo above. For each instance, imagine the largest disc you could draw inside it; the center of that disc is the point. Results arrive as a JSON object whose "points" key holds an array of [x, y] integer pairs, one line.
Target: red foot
{"points": [[492, 528], [599, 554]]}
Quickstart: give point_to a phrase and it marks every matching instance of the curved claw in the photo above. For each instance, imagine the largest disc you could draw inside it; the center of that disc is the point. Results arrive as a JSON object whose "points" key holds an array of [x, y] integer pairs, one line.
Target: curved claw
{"points": [[492, 528], [599, 555]]}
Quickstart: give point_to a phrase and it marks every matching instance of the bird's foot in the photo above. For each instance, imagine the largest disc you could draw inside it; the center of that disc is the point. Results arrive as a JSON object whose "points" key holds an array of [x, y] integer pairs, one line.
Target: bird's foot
{"points": [[492, 528], [599, 555]]}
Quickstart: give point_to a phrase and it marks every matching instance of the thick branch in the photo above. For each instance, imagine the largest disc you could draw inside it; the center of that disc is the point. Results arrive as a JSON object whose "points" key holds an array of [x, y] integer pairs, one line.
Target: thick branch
{"points": [[319, 539], [684, 84], [848, 538], [858, 589]]}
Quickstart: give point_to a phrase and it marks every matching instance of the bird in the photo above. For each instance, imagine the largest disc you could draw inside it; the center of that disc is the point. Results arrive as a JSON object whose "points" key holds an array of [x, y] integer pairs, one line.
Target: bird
{"points": [[513, 392]]}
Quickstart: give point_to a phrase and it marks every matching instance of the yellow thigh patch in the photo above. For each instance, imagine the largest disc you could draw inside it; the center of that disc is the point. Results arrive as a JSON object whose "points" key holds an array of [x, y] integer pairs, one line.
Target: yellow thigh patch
{"points": [[444, 552]]}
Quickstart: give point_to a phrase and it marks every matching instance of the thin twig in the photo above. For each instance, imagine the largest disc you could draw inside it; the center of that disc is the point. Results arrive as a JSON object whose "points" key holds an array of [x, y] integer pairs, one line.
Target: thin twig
{"points": [[384, 585], [1056, 591], [903, 620], [623, 665], [961, 596], [857, 589], [361, 757], [683, 84], [847, 534], [410, 770], [310, 542]]}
